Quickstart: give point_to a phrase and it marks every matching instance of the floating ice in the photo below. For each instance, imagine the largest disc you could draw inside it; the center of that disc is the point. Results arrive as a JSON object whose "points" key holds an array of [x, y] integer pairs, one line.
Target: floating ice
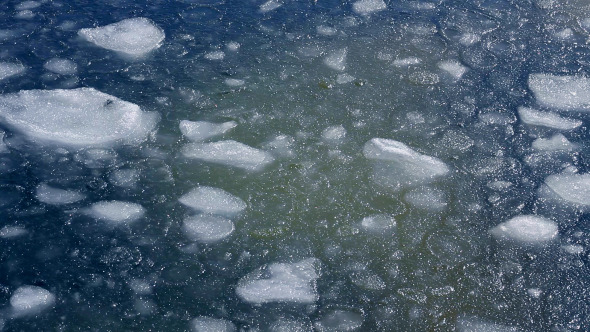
{"points": [[379, 223], [61, 66], [365, 7], [561, 92], [10, 232], [270, 5], [140, 286], [82, 117], [336, 60], [288, 325], [27, 5], [547, 119], [295, 282], [198, 131], [116, 211], [529, 229], [334, 134], [213, 200], [31, 300], [207, 228], [325, 30], [56, 196], [557, 142], [210, 324], [339, 320], [133, 36], [126, 178], [344, 78], [572, 188], [281, 146], [233, 46], [234, 82], [426, 198], [215, 55], [230, 153], [397, 165], [405, 62], [454, 68], [473, 324], [8, 69]]}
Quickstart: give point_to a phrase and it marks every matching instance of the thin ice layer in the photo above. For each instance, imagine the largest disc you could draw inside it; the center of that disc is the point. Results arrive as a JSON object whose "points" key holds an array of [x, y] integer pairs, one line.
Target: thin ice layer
{"points": [[207, 228], [133, 36], [82, 117], [230, 153], [561, 92], [213, 200], [528, 229], [547, 119], [573, 188], [293, 283], [198, 131]]}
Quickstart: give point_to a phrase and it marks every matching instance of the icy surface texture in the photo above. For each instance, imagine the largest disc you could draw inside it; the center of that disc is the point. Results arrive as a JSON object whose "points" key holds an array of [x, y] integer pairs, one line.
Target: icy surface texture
{"points": [[529, 229], [198, 131], [365, 7], [31, 300], [213, 200], [230, 153]]}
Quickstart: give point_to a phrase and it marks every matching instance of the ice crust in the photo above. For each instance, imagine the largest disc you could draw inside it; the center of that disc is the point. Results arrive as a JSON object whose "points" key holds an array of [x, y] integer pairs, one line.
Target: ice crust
{"points": [[572, 188], [527, 229], [294, 283], [229, 153], [561, 92], [207, 228], [78, 118], [547, 119], [8, 69], [31, 300], [198, 131], [116, 211], [133, 36], [213, 200], [56, 196], [210, 324]]}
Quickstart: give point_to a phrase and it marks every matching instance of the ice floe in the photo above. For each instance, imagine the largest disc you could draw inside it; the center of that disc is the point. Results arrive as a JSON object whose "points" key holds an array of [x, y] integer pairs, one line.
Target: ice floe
{"points": [[557, 142], [31, 300], [210, 324], [426, 198], [337, 59], [198, 131], [561, 92], [474, 324], [55, 196], [334, 134], [207, 228], [339, 320], [61, 66], [365, 7], [454, 68], [571, 188], [547, 119], [379, 223], [213, 200], [229, 153], [528, 229], [116, 211], [270, 5], [8, 69], [11, 232]]}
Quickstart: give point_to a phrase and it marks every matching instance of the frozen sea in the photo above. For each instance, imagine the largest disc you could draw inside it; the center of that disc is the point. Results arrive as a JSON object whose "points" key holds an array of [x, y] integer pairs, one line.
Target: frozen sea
{"points": [[280, 165]]}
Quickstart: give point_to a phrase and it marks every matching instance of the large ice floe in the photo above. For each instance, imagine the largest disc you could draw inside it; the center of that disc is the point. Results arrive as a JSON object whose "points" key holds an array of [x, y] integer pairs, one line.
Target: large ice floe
{"points": [[133, 36], [527, 229], [561, 92], [365, 7], [229, 153], [78, 118], [294, 283], [31, 300], [213, 200], [396, 165]]}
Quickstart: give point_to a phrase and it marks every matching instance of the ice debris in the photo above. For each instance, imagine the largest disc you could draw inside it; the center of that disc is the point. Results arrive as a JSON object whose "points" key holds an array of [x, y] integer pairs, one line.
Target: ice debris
{"points": [[454, 68], [426, 198], [561, 92], [8, 69], [213, 200], [61, 66], [207, 228], [230, 153], [527, 229], [116, 211], [198, 131], [339, 320], [379, 223], [547, 119], [210, 324], [56, 196], [337, 60], [474, 324], [270, 5], [365, 7], [571, 188], [31, 300], [557, 142]]}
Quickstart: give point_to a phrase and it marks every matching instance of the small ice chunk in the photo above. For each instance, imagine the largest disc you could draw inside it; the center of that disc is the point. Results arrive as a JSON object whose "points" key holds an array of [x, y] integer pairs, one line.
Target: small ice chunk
{"points": [[210, 324], [234, 82], [334, 134], [281, 146], [337, 60], [61, 66], [339, 320], [198, 131], [379, 223], [426, 198], [534, 292], [140, 286], [397, 165], [126, 178], [574, 249], [24, 14], [528, 229], [326, 30], [284, 282], [8, 69], [82, 117], [289, 325], [547, 119], [116, 211], [573, 188], [233, 46], [27, 5], [566, 33], [215, 55], [213, 200], [207, 228], [557, 142], [344, 78], [10, 232], [405, 62], [455, 68], [133, 36], [270, 5], [474, 324], [365, 7], [230, 153], [468, 38], [31, 300], [56, 196], [561, 92]]}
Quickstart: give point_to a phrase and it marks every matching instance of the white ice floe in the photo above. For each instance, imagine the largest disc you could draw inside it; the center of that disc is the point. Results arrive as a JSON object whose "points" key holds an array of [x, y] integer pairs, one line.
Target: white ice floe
{"points": [[334, 134], [547, 119], [133, 36], [379, 223], [233, 46], [405, 62], [11, 232], [213, 200], [454, 68], [339, 320], [528, 229], [27, 5], [571, 188], [396, 165], [198, 131], [61, 66], [294, 283], [337, 59], [561, 92], [8, 69], [210, 324], [426, 198], [557, 142], [55, 196], [270, 5], [474, 324], [234, 82], [344, 78], [215, 55], [141, 286], [116, 211], [82, 117], [230, 153], [31, 300], [207, 228], [365, 7]]}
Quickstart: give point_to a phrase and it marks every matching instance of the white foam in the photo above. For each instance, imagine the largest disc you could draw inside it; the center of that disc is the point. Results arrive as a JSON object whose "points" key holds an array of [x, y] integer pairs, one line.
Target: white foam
{"points": [[528, 229], [210, 324], [11, 232], [207, 228], [133, 36], [474, 324], [426, 198], [270, 5], [116, 211], [379, 223], [339, 320], [31, 300], [215, 55], [61, 66], [56, 196], [337, 59], [213, 200], [454, 68], [8, 69], [230, 153], [82, 117], [547, 119], [561, 92], [365, 7], [295, 283], [198, 131], [557, 142], [334, 134], [397, 165], [572, 188]]}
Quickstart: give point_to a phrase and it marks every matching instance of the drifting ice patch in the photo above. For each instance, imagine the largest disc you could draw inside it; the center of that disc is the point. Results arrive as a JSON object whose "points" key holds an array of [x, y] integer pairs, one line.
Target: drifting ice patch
{"points": [[454, 68], [8, 69], [210, 324], [134, 36], [365, 7], [198, 131], [31, 300], [61, 66], [11, 232], [334, 134], [56, 196], [405, 62], [82, 117], [528, 229], [337, 60], [557, 142], [270, 5], [426, 198], [215, 55], [207, 228], [286, 283], [230, 153], [572, 188], [561, 92], [214, 201], [547, 119], [379, 223], [116, 211], [397, 165]]}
